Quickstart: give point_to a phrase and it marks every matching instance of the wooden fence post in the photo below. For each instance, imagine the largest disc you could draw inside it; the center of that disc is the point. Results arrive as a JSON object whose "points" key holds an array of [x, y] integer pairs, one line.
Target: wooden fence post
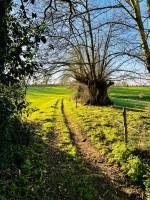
{"points": [[76, 102], [125, 126]]}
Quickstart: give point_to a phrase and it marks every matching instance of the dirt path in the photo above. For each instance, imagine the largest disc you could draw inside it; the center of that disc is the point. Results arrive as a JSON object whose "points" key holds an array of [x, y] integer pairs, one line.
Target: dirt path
{"points": [[110, 182]]}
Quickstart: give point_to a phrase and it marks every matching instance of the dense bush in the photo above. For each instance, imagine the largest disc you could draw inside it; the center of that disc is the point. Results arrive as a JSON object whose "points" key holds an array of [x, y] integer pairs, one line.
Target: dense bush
{"points": [[120, 153], [19, 38], [134, 168], [131, 165], [147, 183], [17, 62], [13, 131], [82, 93]]}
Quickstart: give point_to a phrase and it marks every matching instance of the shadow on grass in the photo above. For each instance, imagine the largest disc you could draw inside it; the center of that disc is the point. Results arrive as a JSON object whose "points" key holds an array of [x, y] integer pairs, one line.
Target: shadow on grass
{"points": [[51, 174], [74, 178], [144, 98]]}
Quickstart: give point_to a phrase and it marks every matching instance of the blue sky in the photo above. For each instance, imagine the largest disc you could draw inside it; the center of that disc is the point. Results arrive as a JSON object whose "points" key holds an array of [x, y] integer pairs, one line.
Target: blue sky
{"points": [[39, 8]]}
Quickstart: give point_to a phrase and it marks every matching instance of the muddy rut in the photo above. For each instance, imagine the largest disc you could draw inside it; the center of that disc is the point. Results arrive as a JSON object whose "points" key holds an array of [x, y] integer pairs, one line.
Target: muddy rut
{"points": [[109, 181]]}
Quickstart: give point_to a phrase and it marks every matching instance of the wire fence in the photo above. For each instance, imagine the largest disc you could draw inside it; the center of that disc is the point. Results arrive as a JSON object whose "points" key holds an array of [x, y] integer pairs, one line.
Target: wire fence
{"points": [[136, 128]]}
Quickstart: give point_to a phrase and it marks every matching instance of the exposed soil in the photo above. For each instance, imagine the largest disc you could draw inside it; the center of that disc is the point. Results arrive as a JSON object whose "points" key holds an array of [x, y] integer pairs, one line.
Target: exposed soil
{"points": [[66, 177], [110, 182]]}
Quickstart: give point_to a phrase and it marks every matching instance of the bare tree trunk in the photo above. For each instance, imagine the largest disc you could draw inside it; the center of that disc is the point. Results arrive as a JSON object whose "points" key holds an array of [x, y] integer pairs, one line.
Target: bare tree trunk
{"points": [[148, 6], [92, 93], [140, 24], [98, 95], [102, 97]]}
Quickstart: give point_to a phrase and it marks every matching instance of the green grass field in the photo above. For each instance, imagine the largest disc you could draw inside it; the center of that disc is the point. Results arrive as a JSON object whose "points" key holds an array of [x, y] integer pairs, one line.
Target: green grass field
{"points": [[74, 153], [62, 124], [43, 98], [133, 97]]}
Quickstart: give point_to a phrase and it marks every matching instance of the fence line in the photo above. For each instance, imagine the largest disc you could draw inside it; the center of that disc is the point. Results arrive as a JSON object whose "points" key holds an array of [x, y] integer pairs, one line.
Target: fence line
{"points": [[131, 109], [141, 138]]}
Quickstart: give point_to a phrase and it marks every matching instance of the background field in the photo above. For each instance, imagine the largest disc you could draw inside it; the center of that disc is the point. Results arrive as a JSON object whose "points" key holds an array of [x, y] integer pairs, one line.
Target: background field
{"points": [[132, 97], [76, 131], [43, 98]]}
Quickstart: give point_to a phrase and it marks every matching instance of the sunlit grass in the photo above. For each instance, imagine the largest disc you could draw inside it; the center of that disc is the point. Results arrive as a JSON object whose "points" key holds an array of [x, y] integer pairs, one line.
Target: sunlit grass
{"points": [[103, 126], [133, 97], [97, 121], [43, 99]]}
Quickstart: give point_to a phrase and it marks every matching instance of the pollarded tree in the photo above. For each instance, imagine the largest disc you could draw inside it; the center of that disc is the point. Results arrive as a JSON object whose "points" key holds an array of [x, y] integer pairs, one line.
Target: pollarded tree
{"points": [[90, 50], [92, 66], [95, 56]]}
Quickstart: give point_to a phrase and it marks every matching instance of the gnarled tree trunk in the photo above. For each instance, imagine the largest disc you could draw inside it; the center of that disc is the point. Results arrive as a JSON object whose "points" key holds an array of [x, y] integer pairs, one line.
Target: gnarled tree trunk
{"points": [[98, 93]]}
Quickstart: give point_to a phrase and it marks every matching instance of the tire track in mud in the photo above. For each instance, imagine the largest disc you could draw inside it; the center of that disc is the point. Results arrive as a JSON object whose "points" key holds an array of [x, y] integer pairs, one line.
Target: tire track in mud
{"points": [[51, 134], [109, 181]]}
